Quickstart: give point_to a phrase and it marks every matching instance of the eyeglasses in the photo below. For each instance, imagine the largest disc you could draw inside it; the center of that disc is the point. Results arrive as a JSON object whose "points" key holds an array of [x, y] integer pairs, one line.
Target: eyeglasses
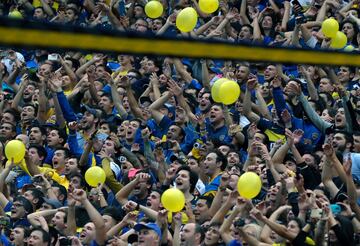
{"points": [[18, 205]]}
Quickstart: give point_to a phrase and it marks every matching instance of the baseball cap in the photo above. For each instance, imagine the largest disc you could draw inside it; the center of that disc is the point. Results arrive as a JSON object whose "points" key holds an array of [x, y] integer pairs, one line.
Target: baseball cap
{"points": [[150, 226], [52, 202], [132, 172]]}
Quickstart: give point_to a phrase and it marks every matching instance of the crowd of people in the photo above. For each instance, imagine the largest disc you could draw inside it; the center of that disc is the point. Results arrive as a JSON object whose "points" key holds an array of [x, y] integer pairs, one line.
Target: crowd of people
{"points": [[151, 124]]}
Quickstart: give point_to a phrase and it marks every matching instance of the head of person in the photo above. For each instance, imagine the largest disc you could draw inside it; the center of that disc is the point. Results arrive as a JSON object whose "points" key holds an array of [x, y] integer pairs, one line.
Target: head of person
{"points": [[111, 216], [201, 211], [59, 159], [191, 234], [88, 233], [270, 73], [214, 163], [21, 207], [35, 196], [10, 116], [186, 179], [212, 235], [56, 137], [71, 165], [60, 192], [132, 129], [157, 24], [356, 142], [246, 33], [148, 234], [175, 132], [326, 85], [106, 103], [7, 131], [45, 70], [39, 13], [342, 141], [153, 200], [216, 115], [37, 153], [28, 112], [38, 237], [71, 15], [345, 74], [350, 29], [19, 235], [141, 25], [89, 120], [294, 225], [77, 181], [204, 100], [59, 220], [37, 134]]}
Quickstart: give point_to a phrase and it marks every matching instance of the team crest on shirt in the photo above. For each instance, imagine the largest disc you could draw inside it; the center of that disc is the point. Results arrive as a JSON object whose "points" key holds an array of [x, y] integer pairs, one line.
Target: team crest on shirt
{"points": [[221, 137], [315, 136]]}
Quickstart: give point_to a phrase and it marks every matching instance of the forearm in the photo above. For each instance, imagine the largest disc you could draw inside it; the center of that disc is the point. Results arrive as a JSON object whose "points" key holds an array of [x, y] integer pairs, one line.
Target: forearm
{"points": [[42, 110], [93, 91], [262, 106], [286, 16], [85, 155], [203, 28], [160, 102], [117, 102], [131, 157], [71, 222], [48, 10], [123, 194], [16, 101]]}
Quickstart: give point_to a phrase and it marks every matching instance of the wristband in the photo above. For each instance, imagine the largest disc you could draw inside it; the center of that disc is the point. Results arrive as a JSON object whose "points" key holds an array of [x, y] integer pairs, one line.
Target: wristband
{"points": [[137, 207]]}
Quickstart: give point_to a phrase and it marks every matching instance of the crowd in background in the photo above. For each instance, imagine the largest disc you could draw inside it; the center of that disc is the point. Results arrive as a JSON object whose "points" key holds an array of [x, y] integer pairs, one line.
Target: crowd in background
{"points": [[151, 123]]}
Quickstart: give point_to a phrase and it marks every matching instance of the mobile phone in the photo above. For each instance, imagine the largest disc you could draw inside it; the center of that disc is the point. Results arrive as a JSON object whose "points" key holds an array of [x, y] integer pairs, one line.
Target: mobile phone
{"points": [[239, 223], [166, 145], [316, 213], [52, 57]]}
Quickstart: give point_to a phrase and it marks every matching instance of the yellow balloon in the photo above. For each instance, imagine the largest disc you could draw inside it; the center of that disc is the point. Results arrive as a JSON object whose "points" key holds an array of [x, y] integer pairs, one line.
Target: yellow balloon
{"points": [[15, 149], [349, 48], [94, 176], [339, 41], [15, 14], [215, 89], [154, 9], [186, 20], [208, 6], [229, 92], [173, 200], [330, 27], [249, 185]]}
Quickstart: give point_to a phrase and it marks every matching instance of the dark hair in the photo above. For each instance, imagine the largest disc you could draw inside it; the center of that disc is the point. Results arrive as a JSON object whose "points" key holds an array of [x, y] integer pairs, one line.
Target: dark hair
{"points": [[113, 212], [208, 200], [194, 177], [250, 28], [62, 190], [31, 105], [348, 136], [356, 30], [25, 229], [40, 150], [26, 204], [199, 229], [220, 158], [41, 128], [65, 150], [14, 113], [82, 179], [62, 134], [45, 235], [37, 194]]}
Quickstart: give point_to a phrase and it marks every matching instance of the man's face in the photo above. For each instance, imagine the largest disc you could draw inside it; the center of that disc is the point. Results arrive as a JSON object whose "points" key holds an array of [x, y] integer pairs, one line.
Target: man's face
{"points": [[45, 70], [8, 118], [357, 144], [88, 233], [17, 236], [233, 158], [270, 72], [148, 238], [6, 131], [138, 12], [75, 182], [201, 211], [58, 160], [71, 166], [245, 33], [29, 196], [183, 180], [132, 129], [34, 155], [210, 165], [108, 147], [216, 114], [35, 136], [27, 113], [204, 101], [58, 221], [344, 74], [340, 120], [70, 15], [28, 92], [39, 14], [187, 235], [87, 121], [326, 86], [157, 24], [36, 239], [17, 210], [149, 67], [212, 236], [153, 201], [141, 26], [339, 142], [53, 138], [180, 115], [106, 104], [173, 133], [109, 222]]}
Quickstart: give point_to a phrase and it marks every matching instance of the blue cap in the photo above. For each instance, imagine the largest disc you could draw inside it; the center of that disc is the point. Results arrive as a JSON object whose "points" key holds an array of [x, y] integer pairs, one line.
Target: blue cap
{"points": [[150, 226], [335, 208]]}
